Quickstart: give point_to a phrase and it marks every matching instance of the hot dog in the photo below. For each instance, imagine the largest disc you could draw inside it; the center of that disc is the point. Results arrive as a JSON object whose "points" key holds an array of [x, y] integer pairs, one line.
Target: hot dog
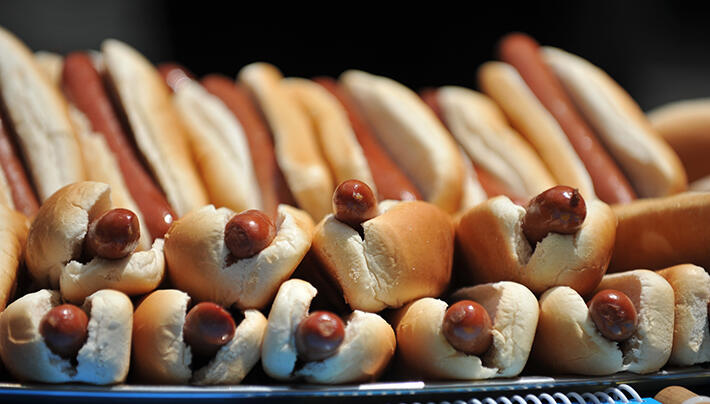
{"points": [[79, 245], [203, 345], [66, 343], [521, 244], [236, 259], [19, 193], [84, 88], [523, 53], [13, 234], [572, 337], [389, 179], [471, 338], [332, 351]]}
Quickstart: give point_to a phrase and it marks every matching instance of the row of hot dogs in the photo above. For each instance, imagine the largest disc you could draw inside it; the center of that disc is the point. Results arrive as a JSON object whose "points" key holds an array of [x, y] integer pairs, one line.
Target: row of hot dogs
{"points": [[224, 190]]}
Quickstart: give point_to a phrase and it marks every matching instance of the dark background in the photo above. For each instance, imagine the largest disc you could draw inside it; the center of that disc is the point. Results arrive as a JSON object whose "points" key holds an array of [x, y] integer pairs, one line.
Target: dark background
{"points": [[657, 50]]}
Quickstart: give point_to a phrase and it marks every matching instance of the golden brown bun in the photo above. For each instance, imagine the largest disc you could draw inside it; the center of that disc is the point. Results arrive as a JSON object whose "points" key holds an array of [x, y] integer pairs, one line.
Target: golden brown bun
{"points": [[424, 349], [38, 113], [406, 254], [160, 355], [649, 163], [332, 127], [295, 143], [160, 137], [660, 232], [505, 86], [472, 192], [685, 125], [481, 128], [366, 350], [220, 148], [197, 257], [567, 340], [494, 246], [103, 359], [55, 241], [13, 234], [691, 334], [412, 134], [51, 65]]}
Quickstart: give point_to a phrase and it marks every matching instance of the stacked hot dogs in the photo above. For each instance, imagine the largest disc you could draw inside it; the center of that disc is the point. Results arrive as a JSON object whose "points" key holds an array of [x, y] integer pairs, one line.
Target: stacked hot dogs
{"points": [[187, 229]]}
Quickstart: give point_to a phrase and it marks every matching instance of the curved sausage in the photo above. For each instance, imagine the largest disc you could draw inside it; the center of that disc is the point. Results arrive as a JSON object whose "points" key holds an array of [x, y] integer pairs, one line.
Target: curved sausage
{"points": [[248, 232], [560, 209], [23, 197], [319, 336], [65, 329], [113, 235], [614, 314], [83, 86], [467, 327], [207, 328], [523, 53], [390, 180]]}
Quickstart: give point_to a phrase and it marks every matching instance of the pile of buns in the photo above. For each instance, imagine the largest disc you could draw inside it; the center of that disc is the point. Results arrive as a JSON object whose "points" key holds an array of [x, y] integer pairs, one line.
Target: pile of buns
{"points": [[175, 230]]}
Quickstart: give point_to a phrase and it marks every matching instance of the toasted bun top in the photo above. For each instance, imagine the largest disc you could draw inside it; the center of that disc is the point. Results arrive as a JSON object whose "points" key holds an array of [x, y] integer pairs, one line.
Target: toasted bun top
{"points": [[197, 257], [399, 117], [145, 99], [39, 116], [481, 128], [57, 234], [651, 165], [13, 234], [394, 263]]}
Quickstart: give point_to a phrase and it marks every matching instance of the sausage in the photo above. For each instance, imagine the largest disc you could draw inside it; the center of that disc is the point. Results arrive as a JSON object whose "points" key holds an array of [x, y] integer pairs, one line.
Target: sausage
{"points": [[207, 328], [467, 327], [319, 336], [272, 183], [614, 314], [390, 180], [23, 197], [83, 87], [174, 74], [523, 53], [560, 209], [248, 232], [354, 202], [113, 235], [64, 329]]}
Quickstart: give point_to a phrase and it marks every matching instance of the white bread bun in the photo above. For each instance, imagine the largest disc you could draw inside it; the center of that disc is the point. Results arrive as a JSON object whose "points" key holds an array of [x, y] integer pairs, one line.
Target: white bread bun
{"points": [[38, 113], [5, 192], [332, 128], [367, 348], [295, 142], [567, 340], [13, 234], [51, 65], [472, 192], [406, 253], [422, 346], [649, 163], [156, 128], [196, 256], [495, 249], [160, 355], [478, 124], [412, 134], [55, 242], [691, 334], [103, 359], [657, 233], [685, 126], [506, 87], [220, 148]]}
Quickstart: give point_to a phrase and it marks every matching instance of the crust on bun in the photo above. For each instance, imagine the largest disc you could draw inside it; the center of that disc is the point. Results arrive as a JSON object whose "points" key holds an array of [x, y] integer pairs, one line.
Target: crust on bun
{"points": [[197, 257], [410, 131], [51, 65], [103, 359], [567, 340], [13, 234], [495, 249], [366, 350], [406, 253], [691, 334], [160, 354], [423, 348]]}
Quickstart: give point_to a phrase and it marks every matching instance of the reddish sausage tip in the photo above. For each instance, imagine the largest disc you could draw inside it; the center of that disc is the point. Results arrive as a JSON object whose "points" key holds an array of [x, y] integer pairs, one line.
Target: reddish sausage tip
{"points": [[207, 328], [249, 232], [467, 327], [113, 235], [560, 209], [354, 202], [319, 336], [614, 314], [65, 329]]}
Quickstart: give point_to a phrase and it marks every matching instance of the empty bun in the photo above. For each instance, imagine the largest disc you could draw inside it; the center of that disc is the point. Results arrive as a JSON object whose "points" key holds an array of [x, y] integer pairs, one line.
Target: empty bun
{"points": [[197, 257], [406, 253], [492, 241], [103, 359], [13, 234], [424, 349]]}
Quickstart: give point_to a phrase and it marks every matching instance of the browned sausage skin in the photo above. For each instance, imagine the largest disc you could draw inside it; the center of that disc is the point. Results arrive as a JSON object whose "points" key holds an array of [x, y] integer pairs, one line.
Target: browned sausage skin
{"points": [[614, 314], [249, 232], [65, 330], [319, 336], [467, 327], [23, 196], [207, 328], [354, 202], [560, 209], [113, 235]]}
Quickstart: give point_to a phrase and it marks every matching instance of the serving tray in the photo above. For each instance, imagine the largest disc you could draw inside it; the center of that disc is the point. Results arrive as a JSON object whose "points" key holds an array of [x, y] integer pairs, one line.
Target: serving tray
{"points": [[394, 392]]}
